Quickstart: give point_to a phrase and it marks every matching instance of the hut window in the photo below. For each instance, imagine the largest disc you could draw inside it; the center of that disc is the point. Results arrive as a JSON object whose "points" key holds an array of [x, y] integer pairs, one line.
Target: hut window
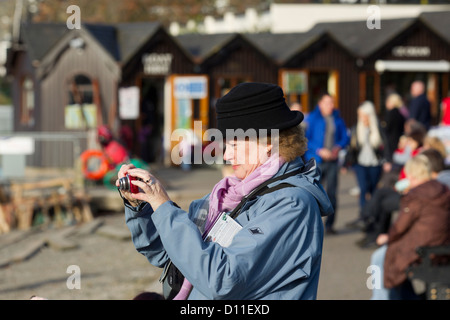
{"points": [[81, 110], [27, 102], [80, 90]]}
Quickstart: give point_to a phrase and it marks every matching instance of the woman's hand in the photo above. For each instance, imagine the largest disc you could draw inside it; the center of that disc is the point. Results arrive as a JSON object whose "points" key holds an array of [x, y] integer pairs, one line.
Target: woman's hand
{"points": [[151, 190], [382, 239], [126, 194]]}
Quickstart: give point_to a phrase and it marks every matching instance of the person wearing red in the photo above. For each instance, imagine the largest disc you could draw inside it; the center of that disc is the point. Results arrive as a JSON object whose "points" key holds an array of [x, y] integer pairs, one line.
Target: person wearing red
{"points": [[445, 108], [114, 151]]}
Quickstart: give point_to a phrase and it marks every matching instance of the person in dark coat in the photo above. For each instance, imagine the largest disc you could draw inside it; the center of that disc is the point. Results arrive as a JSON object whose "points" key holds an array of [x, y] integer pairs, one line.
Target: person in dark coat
{"points": [[423, 220], [419, 107], [393, 124]]}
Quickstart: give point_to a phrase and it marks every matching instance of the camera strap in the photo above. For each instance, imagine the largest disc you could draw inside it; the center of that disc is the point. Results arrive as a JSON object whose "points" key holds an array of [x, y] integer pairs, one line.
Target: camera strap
{"points": [[263, 188]]}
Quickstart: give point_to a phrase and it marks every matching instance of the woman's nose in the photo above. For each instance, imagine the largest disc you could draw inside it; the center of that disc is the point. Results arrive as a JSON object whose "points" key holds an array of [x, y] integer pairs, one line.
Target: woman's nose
{"points": [[228, 154]]}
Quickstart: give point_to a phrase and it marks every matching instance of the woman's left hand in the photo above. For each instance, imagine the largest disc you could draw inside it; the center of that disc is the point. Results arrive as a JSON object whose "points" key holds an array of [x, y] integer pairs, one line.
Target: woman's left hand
{"points": [[382, 239], [152, 191]]}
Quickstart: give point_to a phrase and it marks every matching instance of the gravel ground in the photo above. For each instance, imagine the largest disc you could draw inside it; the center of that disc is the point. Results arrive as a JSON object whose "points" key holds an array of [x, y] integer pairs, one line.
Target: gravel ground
{"points": [[112, 269], [109, 268]]}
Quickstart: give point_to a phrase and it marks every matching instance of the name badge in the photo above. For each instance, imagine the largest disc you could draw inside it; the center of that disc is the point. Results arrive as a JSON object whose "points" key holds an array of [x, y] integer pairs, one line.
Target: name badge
{"points": [[223, 230]]}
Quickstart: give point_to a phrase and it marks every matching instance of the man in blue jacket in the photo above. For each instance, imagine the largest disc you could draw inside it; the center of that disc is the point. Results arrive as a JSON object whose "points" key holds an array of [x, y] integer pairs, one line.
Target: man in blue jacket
{"points": [[327, 135]]}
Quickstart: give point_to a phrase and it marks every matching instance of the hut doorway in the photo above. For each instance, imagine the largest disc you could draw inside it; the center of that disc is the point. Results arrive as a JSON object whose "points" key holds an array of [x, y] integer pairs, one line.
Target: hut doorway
{"points": [[151, 120]]}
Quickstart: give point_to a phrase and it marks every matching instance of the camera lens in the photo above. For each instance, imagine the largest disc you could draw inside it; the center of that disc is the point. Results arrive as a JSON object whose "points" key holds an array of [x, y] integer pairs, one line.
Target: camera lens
{"points": [[124, 184]]}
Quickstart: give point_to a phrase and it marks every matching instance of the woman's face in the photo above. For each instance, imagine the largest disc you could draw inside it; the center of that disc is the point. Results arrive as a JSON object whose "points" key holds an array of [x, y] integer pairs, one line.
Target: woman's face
{"points": [[389, 104], [363, 117], [245, 156]]}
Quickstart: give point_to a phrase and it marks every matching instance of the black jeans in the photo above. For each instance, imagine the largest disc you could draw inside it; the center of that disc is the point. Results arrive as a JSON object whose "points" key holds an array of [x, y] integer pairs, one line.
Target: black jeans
{"points": [[329, 180], [378, 210]]}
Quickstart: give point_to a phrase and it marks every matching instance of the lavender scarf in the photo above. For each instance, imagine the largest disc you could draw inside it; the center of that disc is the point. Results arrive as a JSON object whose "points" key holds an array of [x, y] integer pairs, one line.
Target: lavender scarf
{"points": [[227, 194]]}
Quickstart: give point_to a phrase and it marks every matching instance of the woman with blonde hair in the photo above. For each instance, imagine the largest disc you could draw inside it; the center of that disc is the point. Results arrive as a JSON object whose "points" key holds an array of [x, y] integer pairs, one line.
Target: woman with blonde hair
{"points": [[431, 142], [366, 149], [393, 125]]}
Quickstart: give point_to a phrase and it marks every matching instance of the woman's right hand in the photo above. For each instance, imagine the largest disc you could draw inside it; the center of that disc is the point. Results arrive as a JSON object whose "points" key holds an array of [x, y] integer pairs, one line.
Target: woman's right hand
{"points": [[126, 194]]}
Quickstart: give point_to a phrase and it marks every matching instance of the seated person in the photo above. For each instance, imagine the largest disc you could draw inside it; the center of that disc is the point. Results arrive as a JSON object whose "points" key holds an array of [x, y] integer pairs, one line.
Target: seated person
{"points": [[376, 213], [438, 169], [115, 152], [422, 221]]}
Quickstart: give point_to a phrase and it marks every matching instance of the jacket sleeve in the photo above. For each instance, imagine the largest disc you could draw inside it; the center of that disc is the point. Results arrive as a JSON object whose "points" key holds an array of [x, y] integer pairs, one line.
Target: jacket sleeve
{"points": [[405, 220], [279, 253], [144, 235], [314, 134]]}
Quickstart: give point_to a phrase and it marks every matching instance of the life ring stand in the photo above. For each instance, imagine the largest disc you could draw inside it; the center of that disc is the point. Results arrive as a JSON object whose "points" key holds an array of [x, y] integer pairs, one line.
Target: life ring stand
{"points": [[102, 169]]}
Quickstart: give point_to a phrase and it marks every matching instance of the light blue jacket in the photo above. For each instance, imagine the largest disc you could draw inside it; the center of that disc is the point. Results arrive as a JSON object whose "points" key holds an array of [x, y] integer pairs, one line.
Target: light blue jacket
{"points": [[279, 260]]}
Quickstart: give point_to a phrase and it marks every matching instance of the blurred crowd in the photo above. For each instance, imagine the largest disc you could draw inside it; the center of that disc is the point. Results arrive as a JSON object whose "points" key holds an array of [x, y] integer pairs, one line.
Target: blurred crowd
{"points": [[401, 165]]}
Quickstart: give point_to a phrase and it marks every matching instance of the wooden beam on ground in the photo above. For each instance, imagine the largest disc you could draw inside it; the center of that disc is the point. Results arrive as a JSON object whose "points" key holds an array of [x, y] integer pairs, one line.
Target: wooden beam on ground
{"points": [[28, 251]]}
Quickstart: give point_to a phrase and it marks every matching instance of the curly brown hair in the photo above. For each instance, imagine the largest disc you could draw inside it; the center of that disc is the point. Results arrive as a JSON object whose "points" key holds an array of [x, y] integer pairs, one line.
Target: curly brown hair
{"points": [[291, 142]]}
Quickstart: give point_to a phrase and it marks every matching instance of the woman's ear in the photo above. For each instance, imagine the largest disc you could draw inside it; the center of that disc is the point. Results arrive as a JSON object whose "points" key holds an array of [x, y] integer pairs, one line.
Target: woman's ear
{"points": [[269, 150]]}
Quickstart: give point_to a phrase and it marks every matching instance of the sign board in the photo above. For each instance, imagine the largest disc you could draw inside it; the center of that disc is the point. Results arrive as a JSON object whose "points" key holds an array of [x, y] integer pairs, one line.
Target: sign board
{"points": [[16, 145], [129, 103], [80, 116], [157, 63], [193, 87], [295, 82], [411, 51]]}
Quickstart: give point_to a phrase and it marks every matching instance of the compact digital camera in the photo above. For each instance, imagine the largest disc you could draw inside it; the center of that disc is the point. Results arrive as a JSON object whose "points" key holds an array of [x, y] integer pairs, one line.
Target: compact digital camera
{"points": [[126, 185]]}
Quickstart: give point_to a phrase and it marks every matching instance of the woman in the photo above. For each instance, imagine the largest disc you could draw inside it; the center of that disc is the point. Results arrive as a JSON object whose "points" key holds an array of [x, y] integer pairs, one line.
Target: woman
{"points": [[276, 254], [366, 145], [422, 221], [393, 126]]}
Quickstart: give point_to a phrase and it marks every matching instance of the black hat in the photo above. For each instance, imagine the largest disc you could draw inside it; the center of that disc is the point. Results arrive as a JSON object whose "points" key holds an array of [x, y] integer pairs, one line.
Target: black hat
{"points": [[252, 105]]}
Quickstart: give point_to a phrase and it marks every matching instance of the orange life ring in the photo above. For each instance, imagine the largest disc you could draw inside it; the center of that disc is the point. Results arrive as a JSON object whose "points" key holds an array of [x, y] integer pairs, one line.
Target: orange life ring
{"points": [[101, 170]]}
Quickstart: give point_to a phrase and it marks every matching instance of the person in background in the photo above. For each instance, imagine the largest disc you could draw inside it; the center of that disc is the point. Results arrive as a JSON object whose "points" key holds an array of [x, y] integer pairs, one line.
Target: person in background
{"points": [[115, 152], [445, 111], [296, 106], [438, 169], [377, 212], [422, 221], [366, 148], [413, 146], [419, 106], [327, 135], [393, 126], [432, 142]]}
